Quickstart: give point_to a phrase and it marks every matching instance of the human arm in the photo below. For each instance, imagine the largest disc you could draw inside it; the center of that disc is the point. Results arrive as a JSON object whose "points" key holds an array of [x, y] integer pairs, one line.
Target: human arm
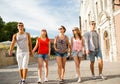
{"points": [[68, 44], [36, 46], [55, 42], [29, 44], [49, 49], [86, 39], [12, 44]]}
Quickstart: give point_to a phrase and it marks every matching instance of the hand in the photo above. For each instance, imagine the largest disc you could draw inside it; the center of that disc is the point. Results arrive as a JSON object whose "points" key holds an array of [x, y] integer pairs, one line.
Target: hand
{"points": [[31, 53], [56, 49], [48, 56], [10, 53], [87, 52], [66, 50]]}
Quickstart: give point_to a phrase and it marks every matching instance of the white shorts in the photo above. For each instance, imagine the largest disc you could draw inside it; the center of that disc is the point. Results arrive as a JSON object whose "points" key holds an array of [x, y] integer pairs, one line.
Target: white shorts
{"points": [[23, 59]]}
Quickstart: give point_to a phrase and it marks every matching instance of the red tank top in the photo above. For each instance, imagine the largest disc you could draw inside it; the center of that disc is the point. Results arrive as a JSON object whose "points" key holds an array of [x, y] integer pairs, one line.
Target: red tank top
{"points": [[43, 46]]}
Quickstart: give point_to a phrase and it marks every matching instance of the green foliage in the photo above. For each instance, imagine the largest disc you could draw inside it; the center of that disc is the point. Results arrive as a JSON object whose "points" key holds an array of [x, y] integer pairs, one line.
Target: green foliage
{"points": [[52, 49], [34, 41], [1, 23], [10, 28], [7, 30]]}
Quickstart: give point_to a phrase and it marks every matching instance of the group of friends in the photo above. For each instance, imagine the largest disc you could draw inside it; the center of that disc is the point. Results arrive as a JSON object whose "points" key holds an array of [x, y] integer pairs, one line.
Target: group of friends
{"points": [[88, 43]]}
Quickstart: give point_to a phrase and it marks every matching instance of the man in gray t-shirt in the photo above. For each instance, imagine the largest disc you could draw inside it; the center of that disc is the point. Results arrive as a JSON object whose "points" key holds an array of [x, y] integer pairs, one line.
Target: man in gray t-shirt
{"points": [[92, 46]]}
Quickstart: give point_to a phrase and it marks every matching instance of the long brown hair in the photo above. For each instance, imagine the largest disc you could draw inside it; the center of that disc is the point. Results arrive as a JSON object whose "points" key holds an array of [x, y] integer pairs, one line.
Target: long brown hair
{"points": [[44, 31], [78, 33]]}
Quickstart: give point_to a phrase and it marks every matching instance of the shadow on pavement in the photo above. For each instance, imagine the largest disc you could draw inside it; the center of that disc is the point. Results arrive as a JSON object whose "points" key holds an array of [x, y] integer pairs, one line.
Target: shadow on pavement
{"points": [[113, 76]]}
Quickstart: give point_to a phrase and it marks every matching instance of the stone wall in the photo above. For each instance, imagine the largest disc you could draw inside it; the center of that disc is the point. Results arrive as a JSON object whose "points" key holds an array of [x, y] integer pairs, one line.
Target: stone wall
{"points": [[6, 60], [117, 29]]}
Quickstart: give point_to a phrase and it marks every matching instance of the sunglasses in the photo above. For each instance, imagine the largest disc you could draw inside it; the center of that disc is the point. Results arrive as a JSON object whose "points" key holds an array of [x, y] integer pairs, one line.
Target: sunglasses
{"points": [[60, 28], [93, 24], [20, 25]]}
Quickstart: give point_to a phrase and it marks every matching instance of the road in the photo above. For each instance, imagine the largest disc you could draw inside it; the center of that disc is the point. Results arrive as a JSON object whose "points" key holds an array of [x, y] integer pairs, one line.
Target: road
{"points": [[9, 74]]}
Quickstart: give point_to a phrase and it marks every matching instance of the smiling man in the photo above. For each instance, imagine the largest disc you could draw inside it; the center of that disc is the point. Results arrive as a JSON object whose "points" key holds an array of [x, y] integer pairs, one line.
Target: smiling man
{"points": [[24, 49]]}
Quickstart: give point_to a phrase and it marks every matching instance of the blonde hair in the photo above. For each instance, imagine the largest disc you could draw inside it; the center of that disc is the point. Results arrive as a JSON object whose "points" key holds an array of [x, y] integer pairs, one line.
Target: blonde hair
{"points": [[44, 30]]}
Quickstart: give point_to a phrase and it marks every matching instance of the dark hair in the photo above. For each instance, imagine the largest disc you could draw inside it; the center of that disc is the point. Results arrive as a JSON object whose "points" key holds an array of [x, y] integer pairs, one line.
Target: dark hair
{"points": [[63, 28], [92, 22], [21, 23]]}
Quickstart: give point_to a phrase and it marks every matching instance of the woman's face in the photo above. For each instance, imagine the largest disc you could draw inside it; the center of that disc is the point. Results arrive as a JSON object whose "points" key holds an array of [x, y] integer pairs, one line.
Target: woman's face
{"points": [[74, 32], [61, 30], [43, 32]]}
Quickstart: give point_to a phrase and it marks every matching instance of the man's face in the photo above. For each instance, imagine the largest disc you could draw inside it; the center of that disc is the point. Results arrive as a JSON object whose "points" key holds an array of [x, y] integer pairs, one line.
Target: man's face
{"points": [[92, 26], [20, 27]]}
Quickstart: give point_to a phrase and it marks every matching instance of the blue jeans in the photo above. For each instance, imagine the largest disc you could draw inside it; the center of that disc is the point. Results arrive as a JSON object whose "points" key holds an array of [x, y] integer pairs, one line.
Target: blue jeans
{"points": [[44, 56], [77, 53], [97, 53], [61, 54]]}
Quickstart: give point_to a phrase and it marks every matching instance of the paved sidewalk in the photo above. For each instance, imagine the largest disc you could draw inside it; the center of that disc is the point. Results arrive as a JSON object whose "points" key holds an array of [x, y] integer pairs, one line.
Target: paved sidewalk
{"points": [[9, 75]]}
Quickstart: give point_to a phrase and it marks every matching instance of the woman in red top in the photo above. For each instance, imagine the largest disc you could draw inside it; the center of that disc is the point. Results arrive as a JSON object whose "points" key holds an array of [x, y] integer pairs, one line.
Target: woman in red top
{"points": [[43, 46]]}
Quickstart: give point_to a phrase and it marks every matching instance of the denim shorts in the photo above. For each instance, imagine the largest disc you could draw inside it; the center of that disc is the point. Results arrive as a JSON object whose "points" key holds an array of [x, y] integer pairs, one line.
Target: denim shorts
{"points": [[77, 53], [97, 53], [44, 56], [61, 54]]}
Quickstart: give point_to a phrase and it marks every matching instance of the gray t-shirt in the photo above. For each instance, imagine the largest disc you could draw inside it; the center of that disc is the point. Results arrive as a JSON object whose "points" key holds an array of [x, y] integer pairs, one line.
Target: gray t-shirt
{"points": [[95, 39]]}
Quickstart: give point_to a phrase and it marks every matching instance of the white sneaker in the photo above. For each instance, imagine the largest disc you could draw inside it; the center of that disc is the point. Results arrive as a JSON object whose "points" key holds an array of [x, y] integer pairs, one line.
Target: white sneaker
{"points": [[46, 79], [79, 80], [93, 77], [102, 77], [76, 75], [39, 80]]}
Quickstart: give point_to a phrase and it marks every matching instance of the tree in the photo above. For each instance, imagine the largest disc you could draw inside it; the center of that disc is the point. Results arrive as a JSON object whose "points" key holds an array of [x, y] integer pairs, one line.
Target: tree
{"points": [[2, 23], [9, 29], [34, 41]]}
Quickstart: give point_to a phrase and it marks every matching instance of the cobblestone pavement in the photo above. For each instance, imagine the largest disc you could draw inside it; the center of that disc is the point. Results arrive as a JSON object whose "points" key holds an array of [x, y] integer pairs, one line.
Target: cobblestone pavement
{"points": [[9, 74]]}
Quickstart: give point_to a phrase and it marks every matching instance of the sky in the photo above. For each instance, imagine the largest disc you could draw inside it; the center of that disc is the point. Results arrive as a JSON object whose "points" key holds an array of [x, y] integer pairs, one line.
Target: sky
{"points": [[42, 14]]}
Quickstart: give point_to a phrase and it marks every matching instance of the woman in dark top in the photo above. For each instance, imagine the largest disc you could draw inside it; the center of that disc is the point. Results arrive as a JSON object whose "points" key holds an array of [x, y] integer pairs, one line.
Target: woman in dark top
{"points": [[61, 45]]}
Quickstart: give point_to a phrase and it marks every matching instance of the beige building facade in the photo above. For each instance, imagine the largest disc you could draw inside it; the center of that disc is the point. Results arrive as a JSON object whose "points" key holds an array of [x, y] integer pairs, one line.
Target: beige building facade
{"points": [[106, 14]]}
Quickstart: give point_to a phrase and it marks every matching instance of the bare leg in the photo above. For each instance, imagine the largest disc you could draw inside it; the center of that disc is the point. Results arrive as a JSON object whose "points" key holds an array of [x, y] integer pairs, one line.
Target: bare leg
{"points": [[77, 64], [63, 67], [92, 68], [21, 73], [40, 64], [24, 73], [59, 63], [46, 68], [100, 65]]}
